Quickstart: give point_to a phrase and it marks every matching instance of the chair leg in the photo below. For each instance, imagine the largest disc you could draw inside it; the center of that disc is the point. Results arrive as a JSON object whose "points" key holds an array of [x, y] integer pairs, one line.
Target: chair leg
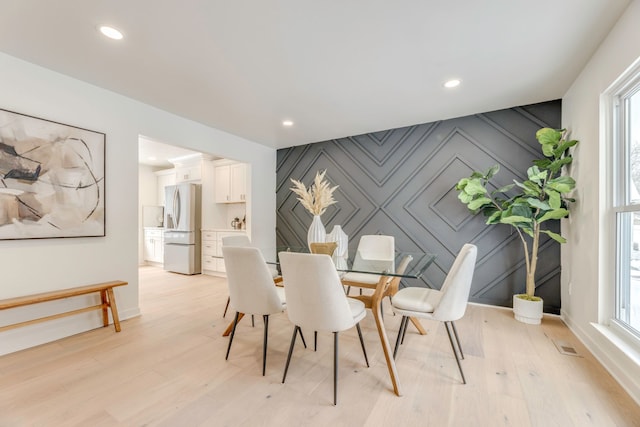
{"points": [[404, 330], [253, 323], [233, 331], [226, 307], [293, 342], [364, 350], [265, 317], [455, 353], [403, 326], [302, 336], [348, 290], [315, 340], [455, 333], [335, 368]]}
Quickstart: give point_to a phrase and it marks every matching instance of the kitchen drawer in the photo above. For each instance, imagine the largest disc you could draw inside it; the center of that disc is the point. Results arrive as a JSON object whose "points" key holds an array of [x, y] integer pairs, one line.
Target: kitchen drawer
{"points": [[209, 263], [209, 248], [155, 234], [208, 235]]}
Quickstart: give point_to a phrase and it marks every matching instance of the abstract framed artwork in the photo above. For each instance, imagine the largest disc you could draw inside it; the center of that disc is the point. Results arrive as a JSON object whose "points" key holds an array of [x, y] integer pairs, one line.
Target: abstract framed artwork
{"points": [[52, 179]]}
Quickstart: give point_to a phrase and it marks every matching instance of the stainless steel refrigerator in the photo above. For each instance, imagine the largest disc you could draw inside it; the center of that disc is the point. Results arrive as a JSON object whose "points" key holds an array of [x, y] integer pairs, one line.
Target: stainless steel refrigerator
{"points": [[182, 215]]}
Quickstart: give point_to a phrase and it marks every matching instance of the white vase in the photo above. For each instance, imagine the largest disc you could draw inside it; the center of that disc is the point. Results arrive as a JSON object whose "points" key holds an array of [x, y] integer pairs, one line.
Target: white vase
{"points": [[341, 253], [527, 311], [316, 233]]}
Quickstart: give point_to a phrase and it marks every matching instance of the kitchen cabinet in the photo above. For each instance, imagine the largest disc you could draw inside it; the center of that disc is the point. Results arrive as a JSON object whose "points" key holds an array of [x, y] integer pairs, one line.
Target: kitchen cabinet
{"points": [[165, 178], [231, 183], [188, 173], [154, 245], [212, 259]]}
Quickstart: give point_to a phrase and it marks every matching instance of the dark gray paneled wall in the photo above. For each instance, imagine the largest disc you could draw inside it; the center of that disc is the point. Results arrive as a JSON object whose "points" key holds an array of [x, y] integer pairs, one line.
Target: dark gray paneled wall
{"points": [[401, 182]]}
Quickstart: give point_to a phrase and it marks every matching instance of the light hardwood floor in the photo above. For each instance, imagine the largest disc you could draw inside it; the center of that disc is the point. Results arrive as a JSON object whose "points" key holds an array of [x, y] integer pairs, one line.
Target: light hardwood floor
{"points": [[167, 368]]}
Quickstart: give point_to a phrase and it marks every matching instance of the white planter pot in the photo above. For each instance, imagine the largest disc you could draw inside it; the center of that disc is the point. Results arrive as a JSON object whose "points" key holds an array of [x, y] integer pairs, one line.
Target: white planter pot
{"points": [[527, 311]]}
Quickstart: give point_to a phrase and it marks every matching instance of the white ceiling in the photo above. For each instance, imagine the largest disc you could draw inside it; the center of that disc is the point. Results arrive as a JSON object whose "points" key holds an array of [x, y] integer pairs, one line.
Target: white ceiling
{"points": [[336, 68]]}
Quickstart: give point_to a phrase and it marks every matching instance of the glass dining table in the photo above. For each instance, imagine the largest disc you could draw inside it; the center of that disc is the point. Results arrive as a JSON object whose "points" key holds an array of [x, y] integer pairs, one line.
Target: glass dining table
{"points": [[382, 276]]}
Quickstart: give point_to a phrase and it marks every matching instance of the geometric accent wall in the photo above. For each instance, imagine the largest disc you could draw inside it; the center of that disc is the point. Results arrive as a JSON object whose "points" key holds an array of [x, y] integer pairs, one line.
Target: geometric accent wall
{"points": [[401, 182]]}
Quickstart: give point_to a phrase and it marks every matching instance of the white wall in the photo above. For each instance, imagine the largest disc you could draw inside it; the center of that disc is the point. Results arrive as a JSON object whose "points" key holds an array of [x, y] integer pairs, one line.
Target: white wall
{"points": [[32, 266], [147, 196], [586, 261]]}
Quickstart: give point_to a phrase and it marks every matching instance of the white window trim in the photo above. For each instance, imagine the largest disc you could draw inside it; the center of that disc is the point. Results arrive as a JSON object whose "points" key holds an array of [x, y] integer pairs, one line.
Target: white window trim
{"points": [[607, 325]]}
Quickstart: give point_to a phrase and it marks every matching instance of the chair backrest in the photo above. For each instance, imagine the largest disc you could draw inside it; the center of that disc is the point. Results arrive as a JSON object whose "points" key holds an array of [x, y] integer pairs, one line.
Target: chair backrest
{"points": [[251, 287], [457, 285], [239, 240], [327, 248], [375, 252], [315, 296]]}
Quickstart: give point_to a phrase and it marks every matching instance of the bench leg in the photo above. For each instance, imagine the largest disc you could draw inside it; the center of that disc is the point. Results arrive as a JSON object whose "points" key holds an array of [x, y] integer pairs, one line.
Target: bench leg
{"points": [[105, 306], [114, 309]]}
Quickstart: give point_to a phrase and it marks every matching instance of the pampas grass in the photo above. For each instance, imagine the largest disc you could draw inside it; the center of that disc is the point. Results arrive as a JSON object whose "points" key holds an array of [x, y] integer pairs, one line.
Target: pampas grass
{"points": [[318, 197]]}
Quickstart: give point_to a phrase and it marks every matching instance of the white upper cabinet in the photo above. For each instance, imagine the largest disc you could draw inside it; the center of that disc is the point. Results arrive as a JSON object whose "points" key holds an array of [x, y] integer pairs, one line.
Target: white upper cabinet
{"points": [[164, 178], [189, 173], [231, 183]]}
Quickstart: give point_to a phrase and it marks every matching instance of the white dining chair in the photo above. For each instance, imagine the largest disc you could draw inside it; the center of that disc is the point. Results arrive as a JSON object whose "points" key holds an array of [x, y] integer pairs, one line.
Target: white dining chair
{"points": [[316, 301], [445, 305], [251, 289], [375, 252], [235, 241]]}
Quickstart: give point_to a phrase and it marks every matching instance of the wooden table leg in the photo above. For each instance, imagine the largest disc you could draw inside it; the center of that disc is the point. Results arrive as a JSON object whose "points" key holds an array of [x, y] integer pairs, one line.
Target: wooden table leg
{"points": [[384, 340], [114, 309], [230, 327]]}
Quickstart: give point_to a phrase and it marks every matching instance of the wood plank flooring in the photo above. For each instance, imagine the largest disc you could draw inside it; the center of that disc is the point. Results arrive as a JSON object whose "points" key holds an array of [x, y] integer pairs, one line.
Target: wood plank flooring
{"points": [[167, 368]]}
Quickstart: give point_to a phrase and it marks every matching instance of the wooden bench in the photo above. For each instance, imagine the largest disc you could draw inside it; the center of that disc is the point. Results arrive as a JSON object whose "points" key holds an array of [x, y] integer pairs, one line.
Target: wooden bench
{"points": [[106, 295]]}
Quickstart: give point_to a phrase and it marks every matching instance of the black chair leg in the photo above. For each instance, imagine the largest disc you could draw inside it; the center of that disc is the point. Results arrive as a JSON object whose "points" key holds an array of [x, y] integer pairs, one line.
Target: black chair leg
{"points": [[226, 307], [315, 340], [335, 368], [404, 330], [455, 333], [403, 326], [364, 350], [302, 336], [293, 342], [233, 332], [455, 352], [348, 290], [265, 317], [253, 323]]}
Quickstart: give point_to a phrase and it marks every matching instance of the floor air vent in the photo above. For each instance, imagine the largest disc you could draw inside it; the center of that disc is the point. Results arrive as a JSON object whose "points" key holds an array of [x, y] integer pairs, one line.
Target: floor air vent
{"points": [[566, 348]]}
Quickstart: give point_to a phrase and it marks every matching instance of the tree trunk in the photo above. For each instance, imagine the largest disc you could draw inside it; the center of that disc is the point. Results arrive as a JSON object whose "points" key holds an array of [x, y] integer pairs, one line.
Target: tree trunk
{"points": [[531, 282]]}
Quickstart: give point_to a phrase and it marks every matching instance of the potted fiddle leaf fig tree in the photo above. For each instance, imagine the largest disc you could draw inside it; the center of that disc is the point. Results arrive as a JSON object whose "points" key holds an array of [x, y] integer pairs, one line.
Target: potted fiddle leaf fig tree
{"points": [[527, 206]]}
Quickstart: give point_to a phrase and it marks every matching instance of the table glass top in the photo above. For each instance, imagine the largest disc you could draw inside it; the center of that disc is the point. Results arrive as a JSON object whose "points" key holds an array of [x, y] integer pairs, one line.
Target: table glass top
{"points": [[418, 262]]}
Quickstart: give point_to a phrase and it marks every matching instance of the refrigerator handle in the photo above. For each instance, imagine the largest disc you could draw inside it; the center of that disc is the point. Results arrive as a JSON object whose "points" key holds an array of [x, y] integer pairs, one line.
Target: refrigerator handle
{"points": [[176, 207]]}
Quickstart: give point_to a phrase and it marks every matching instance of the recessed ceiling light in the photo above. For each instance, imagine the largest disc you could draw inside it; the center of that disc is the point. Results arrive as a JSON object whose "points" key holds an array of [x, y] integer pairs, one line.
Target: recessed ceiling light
{"points": [[111, 32], [452, 83], [287, 123]]}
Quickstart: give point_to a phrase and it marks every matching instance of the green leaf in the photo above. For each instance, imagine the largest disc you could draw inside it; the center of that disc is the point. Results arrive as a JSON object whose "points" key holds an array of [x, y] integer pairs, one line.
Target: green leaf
{"points": [[494, 217], [562, 184], [503, 189], [478, 203], [548, 136], [555, 236], [464, 197], [476, 175], [462, 183], [557, 164], [521, 209], [554, 198], [542, 163], [554, 214], [537, 203], [536, 175], [564, 147], [474, 187], [492, 171], [532, 189], [514, 219]]}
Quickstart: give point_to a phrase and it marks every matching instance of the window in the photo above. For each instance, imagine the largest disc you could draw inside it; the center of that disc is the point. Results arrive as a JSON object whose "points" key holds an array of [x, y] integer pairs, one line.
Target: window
{"points": [[626, 136]]}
